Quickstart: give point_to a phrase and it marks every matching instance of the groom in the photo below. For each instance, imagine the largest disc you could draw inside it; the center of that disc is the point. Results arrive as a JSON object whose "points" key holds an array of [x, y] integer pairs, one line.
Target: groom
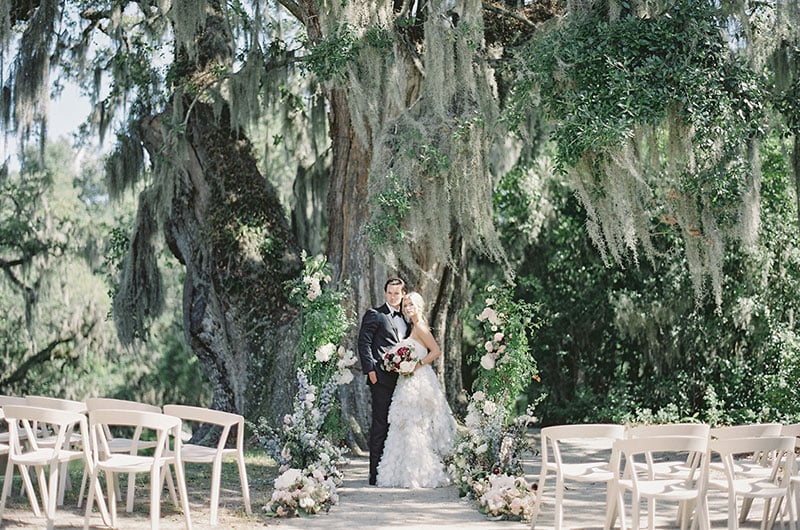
{"points": [[381, 329]]}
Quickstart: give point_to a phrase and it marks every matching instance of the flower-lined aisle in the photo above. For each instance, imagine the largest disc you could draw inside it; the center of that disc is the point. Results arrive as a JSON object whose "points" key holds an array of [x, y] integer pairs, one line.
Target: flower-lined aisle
{"points": [[304, 446], [487, 461]]}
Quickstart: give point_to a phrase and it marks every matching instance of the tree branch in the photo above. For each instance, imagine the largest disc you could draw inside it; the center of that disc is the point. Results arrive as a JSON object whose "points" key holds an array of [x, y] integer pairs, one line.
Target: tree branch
{"points": [[43, 355], [506, 13]]}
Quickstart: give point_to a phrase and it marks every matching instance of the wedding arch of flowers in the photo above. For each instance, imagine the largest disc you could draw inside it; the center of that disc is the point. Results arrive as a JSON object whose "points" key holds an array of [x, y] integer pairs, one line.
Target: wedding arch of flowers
{"points": [[487, 458], [304, 445]]}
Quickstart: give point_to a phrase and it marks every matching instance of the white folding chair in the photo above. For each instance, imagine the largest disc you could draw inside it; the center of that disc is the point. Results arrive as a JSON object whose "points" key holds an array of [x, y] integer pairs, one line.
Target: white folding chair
{"points": [[643, 480], [587, 471], [110, 463], [739, 481], [687, 469], [214, 455], [46, 438], [121, 444], [30, 454], [755, 466]]}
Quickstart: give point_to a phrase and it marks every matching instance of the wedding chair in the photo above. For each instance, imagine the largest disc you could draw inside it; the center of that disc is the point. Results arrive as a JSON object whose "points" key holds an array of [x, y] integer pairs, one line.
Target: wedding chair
{"points": [[740, 482], [687, 469], [643, 481], [594, 470], [31, 454], [46, 438], [165, 428], [793, 431], [121, 444], [214, 455], [757, 464]]}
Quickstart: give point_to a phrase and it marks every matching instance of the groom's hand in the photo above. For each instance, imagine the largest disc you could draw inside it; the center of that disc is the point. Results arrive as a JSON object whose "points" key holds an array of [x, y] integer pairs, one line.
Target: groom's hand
{"points": [[373, 377]]}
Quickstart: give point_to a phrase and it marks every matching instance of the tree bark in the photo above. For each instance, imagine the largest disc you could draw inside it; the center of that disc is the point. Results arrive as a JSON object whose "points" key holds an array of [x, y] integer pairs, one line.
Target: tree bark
{"points": [[236, 316]]}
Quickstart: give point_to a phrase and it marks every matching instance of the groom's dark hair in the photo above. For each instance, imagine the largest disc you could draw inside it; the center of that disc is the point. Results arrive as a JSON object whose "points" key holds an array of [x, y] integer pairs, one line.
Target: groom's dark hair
{"points": [[394, 281]]}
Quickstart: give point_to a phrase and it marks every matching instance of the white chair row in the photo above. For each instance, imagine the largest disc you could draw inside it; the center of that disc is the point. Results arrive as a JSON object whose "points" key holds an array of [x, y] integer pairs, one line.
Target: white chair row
{"points": [[45, 431], [683, 463]]}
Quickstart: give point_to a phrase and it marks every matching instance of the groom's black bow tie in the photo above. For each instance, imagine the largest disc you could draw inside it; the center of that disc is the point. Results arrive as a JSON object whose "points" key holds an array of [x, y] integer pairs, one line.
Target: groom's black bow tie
{"points": [[395, 314]]}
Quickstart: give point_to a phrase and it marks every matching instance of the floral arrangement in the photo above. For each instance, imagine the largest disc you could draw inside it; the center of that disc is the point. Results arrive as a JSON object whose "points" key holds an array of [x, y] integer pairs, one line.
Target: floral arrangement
{"points": [[305, 445], [507, 366], [324, 320], [401, 359], [302, 492], [307, 461], [492, 444], [487, 461], [505, 496]]}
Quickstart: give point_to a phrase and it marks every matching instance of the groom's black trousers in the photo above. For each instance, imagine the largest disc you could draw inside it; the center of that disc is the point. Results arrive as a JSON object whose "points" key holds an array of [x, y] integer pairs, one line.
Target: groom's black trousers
{"points": [[381, 399]]}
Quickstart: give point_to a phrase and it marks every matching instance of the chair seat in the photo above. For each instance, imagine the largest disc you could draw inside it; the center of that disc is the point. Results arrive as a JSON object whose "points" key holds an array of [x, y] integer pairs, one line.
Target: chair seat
{"points": [[202, 454], [587, 472], [669, 489], [674, 469], [32, 458], [124, 445], [750, 487], [123, 463]]}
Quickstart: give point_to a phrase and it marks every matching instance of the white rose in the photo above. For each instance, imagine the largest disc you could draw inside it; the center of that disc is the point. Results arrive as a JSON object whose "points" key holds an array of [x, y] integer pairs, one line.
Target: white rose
{"points": [[306, 502], [289, 477], [325, 352], [490, 301], [487, 361], [482, 449], [344, 377], [479, 395], [488, 346], [406, 367], [498, 337], [489, 407]]}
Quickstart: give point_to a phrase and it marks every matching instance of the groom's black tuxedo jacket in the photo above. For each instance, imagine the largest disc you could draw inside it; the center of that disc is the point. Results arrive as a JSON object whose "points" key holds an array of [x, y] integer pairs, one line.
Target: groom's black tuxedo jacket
{"points": [[377, 335]]}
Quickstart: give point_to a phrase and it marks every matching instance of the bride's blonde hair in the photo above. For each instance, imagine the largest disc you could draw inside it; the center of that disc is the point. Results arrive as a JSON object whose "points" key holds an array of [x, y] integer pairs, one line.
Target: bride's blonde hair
{"points": [[419, 304]]}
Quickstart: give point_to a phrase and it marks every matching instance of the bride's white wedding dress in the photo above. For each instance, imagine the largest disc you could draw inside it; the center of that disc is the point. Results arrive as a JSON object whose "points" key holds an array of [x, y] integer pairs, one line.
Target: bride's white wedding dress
{"points": [[421, 430]]}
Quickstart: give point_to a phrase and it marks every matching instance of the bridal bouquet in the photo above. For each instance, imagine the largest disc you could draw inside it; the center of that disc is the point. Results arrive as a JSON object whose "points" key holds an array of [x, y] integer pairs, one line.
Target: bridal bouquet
{"points": [[400, 359]]}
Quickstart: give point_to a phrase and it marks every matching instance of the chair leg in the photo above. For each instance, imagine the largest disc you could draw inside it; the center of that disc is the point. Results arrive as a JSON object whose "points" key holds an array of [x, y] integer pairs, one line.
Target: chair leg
{"points": [[559, 508], [89, 501], [245, 484], [733, 519], [216, 477], [84, 478], [155, 497], [537, 502], [27, 486], [180, 476], [6, 486], [52, 497], [112, 496], [611, 505], [131, 491]]}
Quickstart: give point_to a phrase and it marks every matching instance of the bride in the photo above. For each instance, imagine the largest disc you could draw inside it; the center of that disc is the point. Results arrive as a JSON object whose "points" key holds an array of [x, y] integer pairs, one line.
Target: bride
{"points": [[421, 425]]}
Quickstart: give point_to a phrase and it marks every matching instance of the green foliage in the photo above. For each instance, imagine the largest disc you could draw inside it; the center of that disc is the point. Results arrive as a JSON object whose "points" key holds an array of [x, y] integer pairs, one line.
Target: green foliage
{"points": [[391, 207], [324, 317], [631, 346], [330, 57], [506, 365], [597, 79]]}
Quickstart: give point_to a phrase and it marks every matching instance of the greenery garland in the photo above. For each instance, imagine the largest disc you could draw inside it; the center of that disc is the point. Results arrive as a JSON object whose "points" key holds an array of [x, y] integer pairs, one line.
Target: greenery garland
{"points": [[487, 459]]}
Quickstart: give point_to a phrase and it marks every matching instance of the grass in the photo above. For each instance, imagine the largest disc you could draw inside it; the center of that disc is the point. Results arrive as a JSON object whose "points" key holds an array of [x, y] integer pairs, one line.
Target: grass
{"points": [[261, 470]]}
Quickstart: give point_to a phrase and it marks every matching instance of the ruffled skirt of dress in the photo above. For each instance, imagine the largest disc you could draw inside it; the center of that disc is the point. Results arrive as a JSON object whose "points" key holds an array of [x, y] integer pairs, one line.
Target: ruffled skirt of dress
{"points": [[421, 431]]}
